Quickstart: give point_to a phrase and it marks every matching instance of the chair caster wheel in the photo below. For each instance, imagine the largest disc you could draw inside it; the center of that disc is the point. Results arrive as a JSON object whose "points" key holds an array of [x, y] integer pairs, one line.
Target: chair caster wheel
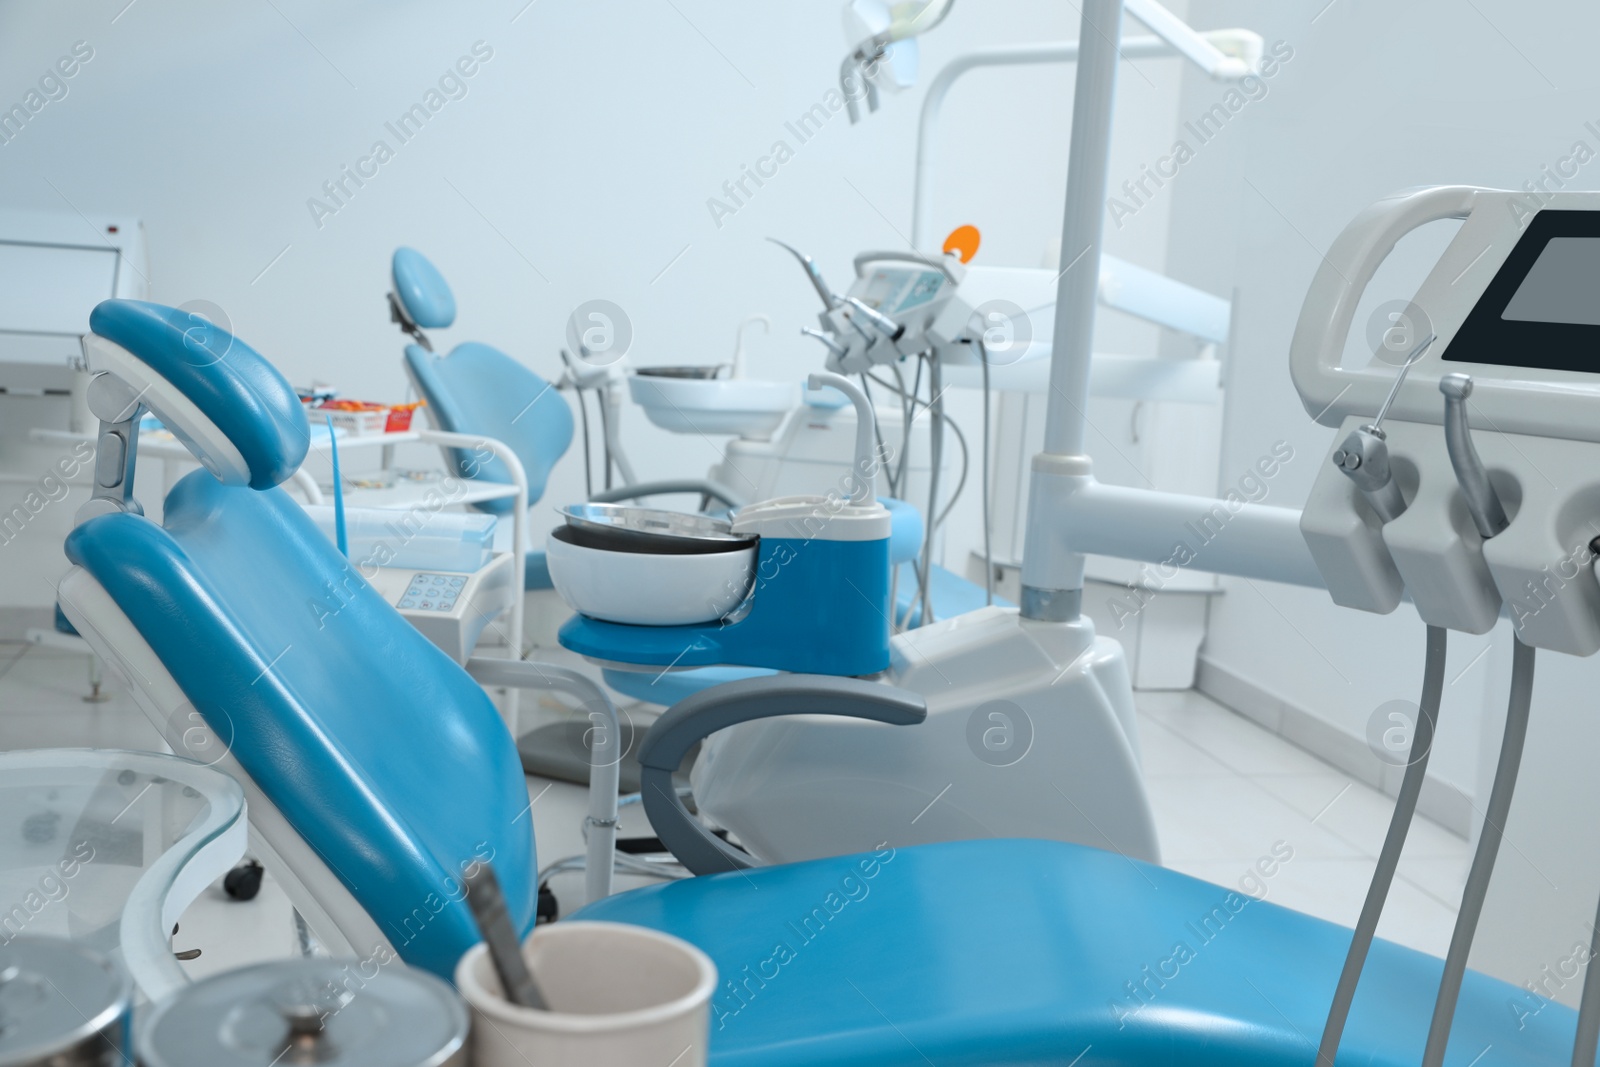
{"points": [[548, 910], [244, 881]]}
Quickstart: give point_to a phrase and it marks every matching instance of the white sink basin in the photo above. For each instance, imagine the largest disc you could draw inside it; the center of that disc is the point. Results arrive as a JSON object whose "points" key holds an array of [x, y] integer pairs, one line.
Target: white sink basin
{"points": [[746, 407]]}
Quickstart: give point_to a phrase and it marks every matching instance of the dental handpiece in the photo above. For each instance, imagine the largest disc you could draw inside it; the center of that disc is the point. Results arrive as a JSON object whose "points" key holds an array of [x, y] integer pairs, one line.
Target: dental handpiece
{"points": [[1363, 456], [830, 300], [1483, 501], [833, 346], [885, 325]]}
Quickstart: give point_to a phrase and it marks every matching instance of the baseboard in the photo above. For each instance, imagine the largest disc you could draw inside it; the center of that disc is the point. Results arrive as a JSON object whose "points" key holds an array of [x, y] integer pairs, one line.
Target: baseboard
{"points": [[1440, 801]]}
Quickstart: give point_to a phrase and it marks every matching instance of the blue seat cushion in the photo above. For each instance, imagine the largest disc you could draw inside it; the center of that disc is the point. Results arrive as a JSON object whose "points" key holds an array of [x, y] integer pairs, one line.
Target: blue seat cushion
{"points": [[381, 752], [477, 389], [668, 687], [1037, 952], [952, 595], [242, 394]]}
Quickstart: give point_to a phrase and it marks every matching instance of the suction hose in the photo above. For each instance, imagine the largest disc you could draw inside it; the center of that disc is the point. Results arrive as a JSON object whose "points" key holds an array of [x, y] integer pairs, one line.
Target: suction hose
{"points": [[1405, 808], [1494, 821], [1584, 1046]]}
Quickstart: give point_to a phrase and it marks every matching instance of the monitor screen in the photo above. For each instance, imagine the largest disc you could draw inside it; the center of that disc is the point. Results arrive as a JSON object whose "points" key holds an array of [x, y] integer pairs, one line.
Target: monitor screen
{"points": [[1563, 285], [1541, 311]]}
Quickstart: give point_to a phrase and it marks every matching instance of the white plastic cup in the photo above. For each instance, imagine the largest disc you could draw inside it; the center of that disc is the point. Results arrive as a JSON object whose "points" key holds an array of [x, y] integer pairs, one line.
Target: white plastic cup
{"points": [[619, 995]]}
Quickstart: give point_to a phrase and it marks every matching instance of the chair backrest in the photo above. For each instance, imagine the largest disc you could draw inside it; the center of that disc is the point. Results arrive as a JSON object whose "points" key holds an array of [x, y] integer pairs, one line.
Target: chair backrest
{"points": [[477, 389], [382, 753], [481, 390]]}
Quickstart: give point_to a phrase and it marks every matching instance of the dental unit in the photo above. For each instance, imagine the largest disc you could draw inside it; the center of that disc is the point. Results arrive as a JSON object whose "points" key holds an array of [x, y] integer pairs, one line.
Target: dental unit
{"points": [[836, 777], [1026, 984]]}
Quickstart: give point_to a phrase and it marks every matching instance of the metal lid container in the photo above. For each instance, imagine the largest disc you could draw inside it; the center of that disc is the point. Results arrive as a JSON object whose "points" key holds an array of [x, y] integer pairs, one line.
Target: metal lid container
{"points": [[701, 371], [624, 528], [304, 1011], [61, 1005]]}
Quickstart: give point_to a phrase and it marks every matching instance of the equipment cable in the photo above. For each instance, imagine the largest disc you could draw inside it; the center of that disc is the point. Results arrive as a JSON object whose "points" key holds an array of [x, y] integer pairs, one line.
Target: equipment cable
{"points": [[988, 552], [1405, 808], [1494, 821]]}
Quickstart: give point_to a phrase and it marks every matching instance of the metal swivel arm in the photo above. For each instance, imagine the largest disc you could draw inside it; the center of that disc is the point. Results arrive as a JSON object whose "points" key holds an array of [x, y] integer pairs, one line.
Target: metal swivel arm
{"points": [[119, 410], [719, 707], [1483, 502]]}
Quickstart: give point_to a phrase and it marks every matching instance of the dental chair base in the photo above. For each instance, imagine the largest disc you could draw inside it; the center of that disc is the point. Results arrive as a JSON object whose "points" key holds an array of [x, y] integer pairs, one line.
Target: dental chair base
{"points": [[1030, 733], [1083, 958]]}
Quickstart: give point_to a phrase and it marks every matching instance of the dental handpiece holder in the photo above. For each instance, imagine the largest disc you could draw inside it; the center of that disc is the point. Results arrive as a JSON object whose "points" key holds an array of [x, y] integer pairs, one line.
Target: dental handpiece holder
{"points": [[799, 583], [1480, 492]]}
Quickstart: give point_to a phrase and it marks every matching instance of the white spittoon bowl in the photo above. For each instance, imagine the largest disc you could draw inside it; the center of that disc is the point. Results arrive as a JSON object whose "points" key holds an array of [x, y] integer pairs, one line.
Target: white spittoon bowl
{"points": [[746, 407], [647, 589]]}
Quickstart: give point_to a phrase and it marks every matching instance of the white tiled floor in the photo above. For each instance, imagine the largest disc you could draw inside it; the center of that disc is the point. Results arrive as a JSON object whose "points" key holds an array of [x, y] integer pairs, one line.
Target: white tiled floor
{"points": [[1226, 793]]}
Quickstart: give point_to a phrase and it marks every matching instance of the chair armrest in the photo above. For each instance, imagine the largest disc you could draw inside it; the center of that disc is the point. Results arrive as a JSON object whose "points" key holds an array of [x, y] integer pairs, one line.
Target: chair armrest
{"points": [[605, 758], [694, 718], [702, 486]]}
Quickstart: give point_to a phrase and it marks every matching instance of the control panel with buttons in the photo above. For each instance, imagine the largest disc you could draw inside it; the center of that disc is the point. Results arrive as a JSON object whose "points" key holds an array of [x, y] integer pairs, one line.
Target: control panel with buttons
{"points": [[451, 608], [432, 592]]}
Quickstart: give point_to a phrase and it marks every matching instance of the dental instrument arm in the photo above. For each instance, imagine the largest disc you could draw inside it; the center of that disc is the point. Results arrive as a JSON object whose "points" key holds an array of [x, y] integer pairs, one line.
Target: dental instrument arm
{"points": [[1483, 502], [1405, 809], [605, 757], [835, 349], [885, 325], [1363, 456], [829, 299], [694, 718], [1494, 821]]}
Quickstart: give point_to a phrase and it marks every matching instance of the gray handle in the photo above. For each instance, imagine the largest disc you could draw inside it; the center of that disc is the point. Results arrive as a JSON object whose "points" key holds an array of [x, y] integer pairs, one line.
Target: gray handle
{"points": [[696, 717], [702, 486], [1483, 503]]}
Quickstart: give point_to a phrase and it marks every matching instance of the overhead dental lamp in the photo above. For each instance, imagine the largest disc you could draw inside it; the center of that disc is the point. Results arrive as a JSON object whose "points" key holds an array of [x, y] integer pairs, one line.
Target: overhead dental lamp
{"points": [[884, 51]]}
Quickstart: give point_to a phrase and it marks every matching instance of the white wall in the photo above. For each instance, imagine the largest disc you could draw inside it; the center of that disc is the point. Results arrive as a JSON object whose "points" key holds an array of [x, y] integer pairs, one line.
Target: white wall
{"points": [[578, 166], [1381, 96]]}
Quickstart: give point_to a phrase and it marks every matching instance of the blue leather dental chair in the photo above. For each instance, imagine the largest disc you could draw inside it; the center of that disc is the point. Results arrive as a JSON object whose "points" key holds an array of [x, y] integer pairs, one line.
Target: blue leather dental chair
{"points": [[478, 389], [236, 621], [373, 774]]}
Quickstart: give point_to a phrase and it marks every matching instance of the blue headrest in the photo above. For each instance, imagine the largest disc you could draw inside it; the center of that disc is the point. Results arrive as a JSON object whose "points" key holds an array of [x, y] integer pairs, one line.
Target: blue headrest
{"points": [[422, 290], [206, 386]]}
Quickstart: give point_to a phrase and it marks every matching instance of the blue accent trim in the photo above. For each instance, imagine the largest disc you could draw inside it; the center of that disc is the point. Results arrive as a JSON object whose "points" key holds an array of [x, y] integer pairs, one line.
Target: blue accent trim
{"points": [[422, 289], [668, 687], [819, 607], [480, 390], [380, 751], [1079, 948], [232, 385]]}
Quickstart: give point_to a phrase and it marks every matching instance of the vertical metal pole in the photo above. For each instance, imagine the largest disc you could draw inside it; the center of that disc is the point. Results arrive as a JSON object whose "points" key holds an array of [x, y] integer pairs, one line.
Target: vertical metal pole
{"points": [[1053, 588], [1082, 228]]}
